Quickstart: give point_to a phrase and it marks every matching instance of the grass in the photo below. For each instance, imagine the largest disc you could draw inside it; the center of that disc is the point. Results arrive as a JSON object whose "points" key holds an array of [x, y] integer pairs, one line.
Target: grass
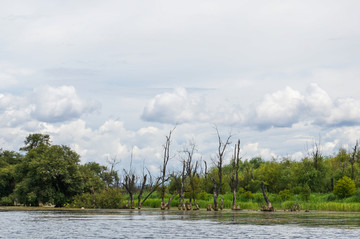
{"points": [[317, 201]]}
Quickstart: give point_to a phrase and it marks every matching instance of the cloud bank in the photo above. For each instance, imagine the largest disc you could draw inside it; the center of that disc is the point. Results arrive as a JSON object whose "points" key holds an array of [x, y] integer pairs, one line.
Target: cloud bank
{"points": [[282, 108]]}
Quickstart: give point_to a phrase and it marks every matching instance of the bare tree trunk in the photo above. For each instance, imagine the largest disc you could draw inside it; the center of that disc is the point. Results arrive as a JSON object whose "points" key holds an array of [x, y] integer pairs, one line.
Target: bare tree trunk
{"points": [[352, 160], [143, 183], [163, 169], [191, 170], [220, 157], [316, 153], [129, 185], [181, 204], [221, 203], [151, 191], [235, 173], [268, 207], [205, 169], [196, 205], [215, 195], [169, 202], [234, 200]]}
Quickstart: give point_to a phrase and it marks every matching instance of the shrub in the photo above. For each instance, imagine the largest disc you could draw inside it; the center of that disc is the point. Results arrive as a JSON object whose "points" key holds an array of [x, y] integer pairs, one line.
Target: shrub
{"points": [[344, 187], [285, 195], [331, 197], [6, 201], [204, 196], [248, 195], [109, 198], [296, 190], [259, 198], [305, 193], [82, 200]]}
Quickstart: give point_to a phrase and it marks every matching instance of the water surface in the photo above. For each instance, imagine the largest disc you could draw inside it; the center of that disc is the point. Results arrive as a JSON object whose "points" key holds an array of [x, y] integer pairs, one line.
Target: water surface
{"points": [[177, 224]]}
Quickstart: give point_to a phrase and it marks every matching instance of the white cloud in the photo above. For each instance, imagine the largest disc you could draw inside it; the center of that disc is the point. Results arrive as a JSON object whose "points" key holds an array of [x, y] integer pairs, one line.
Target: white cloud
{"points": [[283, 108], [176, 107], [181, 107], [52, 104], [13, 110], [121, 52], [253, 150], [287, 107], [280, 109]]}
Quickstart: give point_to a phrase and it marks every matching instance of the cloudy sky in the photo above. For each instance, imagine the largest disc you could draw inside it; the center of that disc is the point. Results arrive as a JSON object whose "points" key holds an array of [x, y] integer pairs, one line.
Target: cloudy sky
{"points": [[109, 77]]}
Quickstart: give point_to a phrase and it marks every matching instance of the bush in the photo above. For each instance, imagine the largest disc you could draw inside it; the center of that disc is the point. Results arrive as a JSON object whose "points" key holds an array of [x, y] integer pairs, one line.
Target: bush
{"points": [[248, 195], [6, 201], [259, 198], [305, 193], [344, 187], [331, 197], [357, 195], [296, 190], [82, 200], [108, 198], [285, 195]]}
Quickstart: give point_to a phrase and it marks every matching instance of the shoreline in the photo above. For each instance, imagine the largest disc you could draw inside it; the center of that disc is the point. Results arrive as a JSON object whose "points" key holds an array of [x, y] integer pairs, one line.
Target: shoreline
{"points": [[172, 210]]}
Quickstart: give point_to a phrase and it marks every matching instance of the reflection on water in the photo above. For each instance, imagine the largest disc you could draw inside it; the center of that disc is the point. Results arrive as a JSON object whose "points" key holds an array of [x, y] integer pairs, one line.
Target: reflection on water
{"points": [[177, 224]]}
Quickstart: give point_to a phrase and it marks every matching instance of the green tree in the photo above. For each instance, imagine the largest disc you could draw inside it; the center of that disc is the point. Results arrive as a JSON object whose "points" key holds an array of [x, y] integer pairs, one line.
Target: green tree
{"points": [[8, 162], [344, 187], [50, 174], [35, 140]]}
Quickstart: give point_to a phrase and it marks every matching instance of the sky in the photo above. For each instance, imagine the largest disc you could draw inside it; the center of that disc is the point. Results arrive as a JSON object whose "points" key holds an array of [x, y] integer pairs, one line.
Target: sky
{"points": [[112, 78]]}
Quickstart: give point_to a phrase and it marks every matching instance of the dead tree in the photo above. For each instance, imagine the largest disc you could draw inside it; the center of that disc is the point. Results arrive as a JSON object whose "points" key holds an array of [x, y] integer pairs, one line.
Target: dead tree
{"points": [[215, 195], [152, 186], [166, 159], [315, 153], [234, 183], [112, 177], [191, 171], [219, 165], [142, 187], [130, 184], [205, 173], [352, 160], [220, 156], [181, 204], [267, 207]]}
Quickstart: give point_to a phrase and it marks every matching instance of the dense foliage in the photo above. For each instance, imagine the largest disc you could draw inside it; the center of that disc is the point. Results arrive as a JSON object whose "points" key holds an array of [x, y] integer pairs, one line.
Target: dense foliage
{"points": [[49, 174]]}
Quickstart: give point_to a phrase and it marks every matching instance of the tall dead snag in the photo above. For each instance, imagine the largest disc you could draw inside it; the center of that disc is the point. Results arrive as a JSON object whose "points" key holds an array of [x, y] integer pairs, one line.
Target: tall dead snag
{"points": [[234, 183], [316, 153], [352, 160], [152, 186], [267, 207], [191, 172], [130, 184], [215, 195], [112, 177], [163, 168], [181, 204], [219, 165], [205, 172]]}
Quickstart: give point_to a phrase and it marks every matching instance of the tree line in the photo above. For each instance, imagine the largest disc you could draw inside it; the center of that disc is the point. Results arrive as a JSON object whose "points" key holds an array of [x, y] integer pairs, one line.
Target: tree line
{"points": [[46, 174]]}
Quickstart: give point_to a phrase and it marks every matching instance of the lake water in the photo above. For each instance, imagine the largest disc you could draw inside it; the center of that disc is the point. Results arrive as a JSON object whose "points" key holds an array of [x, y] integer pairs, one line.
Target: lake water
{"points": [[177, 224]]}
